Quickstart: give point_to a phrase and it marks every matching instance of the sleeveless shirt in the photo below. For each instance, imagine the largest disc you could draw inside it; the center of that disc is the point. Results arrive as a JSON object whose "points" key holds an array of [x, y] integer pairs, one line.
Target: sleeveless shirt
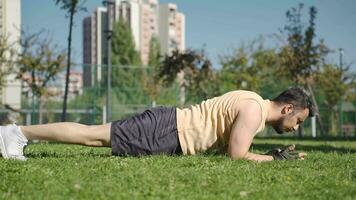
{"points": [[207, 125]]}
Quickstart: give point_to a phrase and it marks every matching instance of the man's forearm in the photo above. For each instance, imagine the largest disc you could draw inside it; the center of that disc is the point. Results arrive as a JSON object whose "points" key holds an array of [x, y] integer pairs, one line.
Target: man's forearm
{"points": [[257, 157]]}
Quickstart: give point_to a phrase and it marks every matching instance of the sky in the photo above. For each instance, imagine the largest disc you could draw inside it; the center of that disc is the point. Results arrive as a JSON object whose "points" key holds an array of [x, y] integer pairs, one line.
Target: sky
{"points": [[219, 26]]}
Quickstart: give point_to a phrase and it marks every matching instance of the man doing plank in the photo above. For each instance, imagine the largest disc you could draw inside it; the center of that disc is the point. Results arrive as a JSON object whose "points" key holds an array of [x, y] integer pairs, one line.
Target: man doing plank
{"points": [[227, 123]]}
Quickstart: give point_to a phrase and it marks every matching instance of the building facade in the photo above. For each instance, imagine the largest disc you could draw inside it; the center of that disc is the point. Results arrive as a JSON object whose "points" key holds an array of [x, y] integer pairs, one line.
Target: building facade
{"points": [[55, 89], [147, 19], [171, 28], [10, 29], [75, 86]]}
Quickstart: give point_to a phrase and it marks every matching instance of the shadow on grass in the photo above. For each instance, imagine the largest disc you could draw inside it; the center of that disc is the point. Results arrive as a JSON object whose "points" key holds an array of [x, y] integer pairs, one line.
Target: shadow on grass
{"points": [[301, 147], [45, 149], [263, 147], [64, 155], [308, 138]]}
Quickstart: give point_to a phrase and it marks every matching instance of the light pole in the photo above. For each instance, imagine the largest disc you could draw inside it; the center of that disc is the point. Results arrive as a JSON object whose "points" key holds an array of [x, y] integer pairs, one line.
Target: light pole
{"points": [[108, 31], [341, 53]]}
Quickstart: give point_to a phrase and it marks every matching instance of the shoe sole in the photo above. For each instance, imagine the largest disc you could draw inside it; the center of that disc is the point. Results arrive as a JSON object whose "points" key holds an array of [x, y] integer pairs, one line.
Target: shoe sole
{"points": [[2, 144]]}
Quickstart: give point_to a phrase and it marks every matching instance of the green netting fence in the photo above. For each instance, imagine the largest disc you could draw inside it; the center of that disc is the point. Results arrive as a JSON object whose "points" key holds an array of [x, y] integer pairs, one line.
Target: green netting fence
{"points": [[133, 90]]}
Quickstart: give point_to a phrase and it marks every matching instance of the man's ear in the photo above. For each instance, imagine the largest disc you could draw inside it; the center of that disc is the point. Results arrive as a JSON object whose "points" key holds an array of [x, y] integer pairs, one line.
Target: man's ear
{"points": [[287, 108]]}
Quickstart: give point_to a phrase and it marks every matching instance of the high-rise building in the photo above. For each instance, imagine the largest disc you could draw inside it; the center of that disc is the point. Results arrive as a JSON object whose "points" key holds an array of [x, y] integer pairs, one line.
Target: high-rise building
{"points": [[94, 45], [171, 28], [147, 18], [10, 29]]}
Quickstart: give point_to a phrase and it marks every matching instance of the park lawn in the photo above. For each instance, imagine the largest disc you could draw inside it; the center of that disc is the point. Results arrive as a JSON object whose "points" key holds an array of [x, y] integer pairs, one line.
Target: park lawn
{"points": [[59, 171]]}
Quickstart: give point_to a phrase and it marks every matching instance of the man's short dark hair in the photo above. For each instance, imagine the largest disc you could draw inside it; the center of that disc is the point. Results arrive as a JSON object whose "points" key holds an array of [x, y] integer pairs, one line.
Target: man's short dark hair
{"points": [[298, 97]]}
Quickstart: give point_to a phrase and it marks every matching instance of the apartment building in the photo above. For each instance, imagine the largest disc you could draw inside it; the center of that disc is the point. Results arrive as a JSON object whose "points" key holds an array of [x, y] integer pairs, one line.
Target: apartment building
{"points": [[10, 28], [147, 18]]}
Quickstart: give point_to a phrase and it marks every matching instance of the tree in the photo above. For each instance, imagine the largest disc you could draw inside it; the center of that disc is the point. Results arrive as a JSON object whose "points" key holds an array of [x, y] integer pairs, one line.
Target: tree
{"points": [[241, 72], [154, 56], [71, 7], [123, 45], [301, 57], [39, 63], [249, 67], [351, 90], [205, 84], [235, 72], [334, 82], [189, 68], [127, 73], [152, 82]]}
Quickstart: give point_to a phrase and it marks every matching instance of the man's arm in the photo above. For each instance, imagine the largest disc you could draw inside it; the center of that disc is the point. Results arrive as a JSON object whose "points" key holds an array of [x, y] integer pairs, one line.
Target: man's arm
{"points": [[243, 132]]}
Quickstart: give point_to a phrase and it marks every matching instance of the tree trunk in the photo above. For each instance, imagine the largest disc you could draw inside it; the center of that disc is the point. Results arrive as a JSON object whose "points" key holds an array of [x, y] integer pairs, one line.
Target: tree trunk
{"points": [[316, 109], [333, 122], [181, 83], [40, 110], [300, 131], [64, 111]]}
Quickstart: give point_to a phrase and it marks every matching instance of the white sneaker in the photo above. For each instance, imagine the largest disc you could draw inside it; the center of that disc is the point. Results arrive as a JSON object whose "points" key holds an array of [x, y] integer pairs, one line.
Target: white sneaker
{"points": [[12, 142]]}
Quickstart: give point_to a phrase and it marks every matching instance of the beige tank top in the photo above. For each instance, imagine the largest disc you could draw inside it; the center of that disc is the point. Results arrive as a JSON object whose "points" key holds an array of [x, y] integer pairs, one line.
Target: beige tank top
{"points": [[207, 125]]}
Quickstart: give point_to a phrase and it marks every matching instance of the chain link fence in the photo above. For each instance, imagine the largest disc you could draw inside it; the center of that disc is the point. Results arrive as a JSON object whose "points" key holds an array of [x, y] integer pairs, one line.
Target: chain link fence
{"points": [[133, 90]]}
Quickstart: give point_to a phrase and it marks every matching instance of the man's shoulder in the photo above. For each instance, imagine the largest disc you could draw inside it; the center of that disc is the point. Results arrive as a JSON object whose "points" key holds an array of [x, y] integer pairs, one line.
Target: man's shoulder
{"points": [[243, 94]]}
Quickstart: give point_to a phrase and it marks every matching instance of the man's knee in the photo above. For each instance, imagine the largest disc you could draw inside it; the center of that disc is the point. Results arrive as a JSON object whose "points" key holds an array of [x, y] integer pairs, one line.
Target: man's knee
{"points": [[93, 137]]}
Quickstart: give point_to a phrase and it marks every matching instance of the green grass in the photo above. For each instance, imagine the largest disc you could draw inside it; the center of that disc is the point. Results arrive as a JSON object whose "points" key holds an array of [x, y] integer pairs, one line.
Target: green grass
{"points": [[58, 171]]}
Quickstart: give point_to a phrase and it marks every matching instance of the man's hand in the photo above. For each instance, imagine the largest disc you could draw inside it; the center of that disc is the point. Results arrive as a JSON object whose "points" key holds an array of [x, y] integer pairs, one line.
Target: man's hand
{"points": [[286, 153]]}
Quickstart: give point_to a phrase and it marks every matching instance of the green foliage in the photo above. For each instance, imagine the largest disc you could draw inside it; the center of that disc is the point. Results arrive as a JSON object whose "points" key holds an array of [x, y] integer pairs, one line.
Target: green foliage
{"points": [[154, 57], [236, 74], [301, 57], [351, 95], [249, 68], [152, 83], [127, 75], [205, 85], [334, 84], [39, 63], [330, 82], [127, 83], [189, 61], [271, 84], [123, 45], [192, 70], [71, 6], [70, 171], [92, 100]]}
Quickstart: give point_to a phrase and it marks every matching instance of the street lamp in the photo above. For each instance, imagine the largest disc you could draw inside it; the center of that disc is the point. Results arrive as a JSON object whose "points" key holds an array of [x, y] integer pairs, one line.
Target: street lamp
{"points": [[341, 53], [108, 31]]}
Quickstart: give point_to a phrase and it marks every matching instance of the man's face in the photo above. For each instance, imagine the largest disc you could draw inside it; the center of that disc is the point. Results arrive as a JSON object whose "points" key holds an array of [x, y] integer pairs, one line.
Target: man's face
{"points": [[290, 120]]}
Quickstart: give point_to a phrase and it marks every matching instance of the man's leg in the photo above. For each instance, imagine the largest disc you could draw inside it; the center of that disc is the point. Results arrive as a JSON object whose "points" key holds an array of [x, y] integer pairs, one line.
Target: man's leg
{"points": [[69, 132]]}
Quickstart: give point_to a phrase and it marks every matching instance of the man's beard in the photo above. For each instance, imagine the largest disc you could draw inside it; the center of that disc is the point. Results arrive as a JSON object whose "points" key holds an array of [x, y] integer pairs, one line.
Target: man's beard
{"points": [[278, 126]]}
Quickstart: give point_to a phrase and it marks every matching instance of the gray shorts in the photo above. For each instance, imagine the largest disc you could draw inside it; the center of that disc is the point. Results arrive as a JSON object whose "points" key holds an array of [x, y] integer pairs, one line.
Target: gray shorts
{"points": [[152, 132]]}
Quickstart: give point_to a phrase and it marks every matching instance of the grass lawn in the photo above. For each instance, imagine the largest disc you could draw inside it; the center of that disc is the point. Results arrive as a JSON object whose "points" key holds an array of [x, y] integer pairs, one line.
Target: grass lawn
{"points": [[58, 171]]}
